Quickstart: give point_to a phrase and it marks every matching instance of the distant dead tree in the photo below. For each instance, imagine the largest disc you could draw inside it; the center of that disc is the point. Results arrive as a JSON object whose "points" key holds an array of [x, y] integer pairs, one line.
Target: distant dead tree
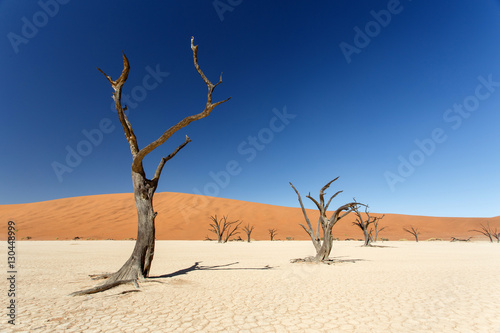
{"points": [[223, 228], [272, 233], [138, 265], [496, 234], [486, 230], [376, 228], [324, 245], [413, 231], [364, 224], [248, 230], [454, 239]]}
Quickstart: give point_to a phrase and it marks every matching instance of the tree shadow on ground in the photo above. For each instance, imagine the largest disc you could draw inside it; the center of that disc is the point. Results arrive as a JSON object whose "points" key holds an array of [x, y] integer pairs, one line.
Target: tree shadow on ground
{"points": [[384, 246], [330, 261], [197, 267]]}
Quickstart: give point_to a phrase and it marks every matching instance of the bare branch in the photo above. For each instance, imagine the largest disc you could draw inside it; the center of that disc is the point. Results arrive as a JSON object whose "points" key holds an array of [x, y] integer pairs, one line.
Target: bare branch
{"points": [[117, 95], [320, 206], [231, 230], [136, 164], [165, 159], [333, 196], [348, 208], [322, 193], [303, 209]]}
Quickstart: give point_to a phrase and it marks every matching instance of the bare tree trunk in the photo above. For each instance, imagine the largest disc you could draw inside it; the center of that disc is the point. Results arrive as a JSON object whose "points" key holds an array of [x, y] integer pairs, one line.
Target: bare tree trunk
{"points": [[326, 247], [145, 245], [368, 239]]}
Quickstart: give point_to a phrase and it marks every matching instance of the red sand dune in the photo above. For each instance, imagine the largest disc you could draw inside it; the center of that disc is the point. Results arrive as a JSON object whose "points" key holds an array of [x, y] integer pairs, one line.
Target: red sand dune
{"points": [[186, 217]]}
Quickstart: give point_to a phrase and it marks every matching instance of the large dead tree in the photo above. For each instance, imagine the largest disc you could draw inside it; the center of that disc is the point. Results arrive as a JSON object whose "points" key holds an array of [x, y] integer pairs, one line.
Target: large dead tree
{"points": [[323, 245], [138, 265], [486, 230], [413, 231], [364, 224], [248, 230], [223, 228]]}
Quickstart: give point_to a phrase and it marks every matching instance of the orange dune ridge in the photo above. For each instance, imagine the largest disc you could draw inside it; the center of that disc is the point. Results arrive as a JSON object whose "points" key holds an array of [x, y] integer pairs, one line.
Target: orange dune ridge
{"points": [[186, 217]]}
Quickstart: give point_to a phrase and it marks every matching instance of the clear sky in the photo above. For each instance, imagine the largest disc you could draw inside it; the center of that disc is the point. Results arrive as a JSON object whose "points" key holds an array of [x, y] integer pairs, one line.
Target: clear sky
{"points": [[400, 99]]}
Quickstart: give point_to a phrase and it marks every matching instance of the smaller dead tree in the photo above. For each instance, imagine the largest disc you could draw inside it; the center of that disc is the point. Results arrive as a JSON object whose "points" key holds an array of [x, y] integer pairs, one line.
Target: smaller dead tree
{"points": [[272, 233], [495, 234], [413, 231], [364, 224], [323, 245], [486, 230], [376, 228], [248, 230], [223, 228]]}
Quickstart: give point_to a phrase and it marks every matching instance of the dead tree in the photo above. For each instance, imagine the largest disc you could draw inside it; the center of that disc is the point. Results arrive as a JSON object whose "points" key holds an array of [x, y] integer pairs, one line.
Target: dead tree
{"points": [[495, 234], [324, 246], [223, 228], [486, 230], [138, 265], [376, 228], [248, 230], [272, 233], [413, 231], [363, 224]]}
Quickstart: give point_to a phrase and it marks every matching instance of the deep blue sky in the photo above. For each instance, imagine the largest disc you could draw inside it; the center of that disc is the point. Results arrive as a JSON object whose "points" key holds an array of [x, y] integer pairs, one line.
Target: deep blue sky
{"points": [[357, 119]]}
